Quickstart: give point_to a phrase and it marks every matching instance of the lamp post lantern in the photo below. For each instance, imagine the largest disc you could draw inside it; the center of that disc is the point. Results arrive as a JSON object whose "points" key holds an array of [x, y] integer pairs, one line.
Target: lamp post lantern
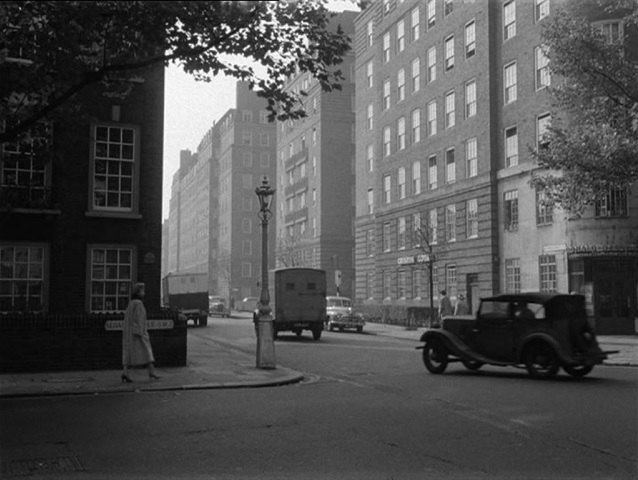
{"points": [[264, 321]]}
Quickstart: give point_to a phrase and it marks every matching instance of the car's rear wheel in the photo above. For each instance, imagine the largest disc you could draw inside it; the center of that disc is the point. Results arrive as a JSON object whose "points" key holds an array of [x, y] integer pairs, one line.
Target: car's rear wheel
{"points": [[578, 370], [541, 360], [472, 364], [435, 356]]}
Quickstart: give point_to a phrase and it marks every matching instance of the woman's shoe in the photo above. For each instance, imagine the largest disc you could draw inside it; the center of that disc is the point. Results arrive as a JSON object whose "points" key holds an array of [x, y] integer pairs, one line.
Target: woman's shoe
{"points": [[153, 376], [126, 379]]}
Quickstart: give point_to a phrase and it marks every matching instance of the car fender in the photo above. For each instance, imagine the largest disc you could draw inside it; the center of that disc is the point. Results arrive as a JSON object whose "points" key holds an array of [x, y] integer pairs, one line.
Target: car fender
{"points": [[563, 356], [451, 342]]}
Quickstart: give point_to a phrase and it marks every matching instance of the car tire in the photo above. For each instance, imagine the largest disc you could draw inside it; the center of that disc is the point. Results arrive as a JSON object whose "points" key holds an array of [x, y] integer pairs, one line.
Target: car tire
{"points": [[541, 360], [359, 329], [473, 365], [435, 356], [578, 371]]}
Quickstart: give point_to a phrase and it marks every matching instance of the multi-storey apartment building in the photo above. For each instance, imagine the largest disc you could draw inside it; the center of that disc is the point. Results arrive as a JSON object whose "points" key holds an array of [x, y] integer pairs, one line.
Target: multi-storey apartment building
{"points": [[80, 221], [315, 178], [450, 98], [213, 223]]}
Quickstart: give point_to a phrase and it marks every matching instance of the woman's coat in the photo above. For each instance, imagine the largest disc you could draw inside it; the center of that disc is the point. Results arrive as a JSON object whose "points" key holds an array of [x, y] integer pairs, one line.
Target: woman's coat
{"points": [[136, 344]]}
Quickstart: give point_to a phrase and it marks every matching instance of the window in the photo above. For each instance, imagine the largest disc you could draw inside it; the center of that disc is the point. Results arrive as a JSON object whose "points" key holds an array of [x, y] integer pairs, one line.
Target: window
{"points": [[544, 209], [541, 67], [247, 225], [246, 116], [264, 139], [110, 276], [416, 229], [509, 74], [432, 118], [370, 242], [314, 135], [416, 126], [512, 275], [370, 157], [114, 168], [470, 39], [509, 20], [401, 182], [247, 180], [22, 282], [370, 201], [264, 159], [387, 149], [433, 225], [431, 13], [263, 116], [369, 287], [402, 283], [450, 109], [401, 85], [612, 31], [450, 223], [401, 35], [511, 147], [542, 125], [247, 247], [416, 177], [246, 138], [370, 119], [246, 270], [416, 75], [541, 9], [471, 218], [449, 52], [471, 157], [247, 159], [370, 33], [370, 73], [450, 166], [401, 133], [386, 47], [431, 64], [415, 23], [448, 7], [450, 280], [387, 189], [386, 278], [613, 204], [470, 99], [432, 173], [401, 234], [386, 94], [386, 237], [547, 273], [510, 204]]}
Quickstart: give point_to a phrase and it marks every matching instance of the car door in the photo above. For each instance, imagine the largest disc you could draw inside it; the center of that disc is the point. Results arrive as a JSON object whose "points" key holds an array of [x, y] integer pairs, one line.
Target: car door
{"points": [[495, 330]]}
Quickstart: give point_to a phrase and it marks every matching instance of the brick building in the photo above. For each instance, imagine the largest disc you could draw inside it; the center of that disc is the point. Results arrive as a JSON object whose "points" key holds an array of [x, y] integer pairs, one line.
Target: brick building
{"points": [[315, 178], [450, 97]]}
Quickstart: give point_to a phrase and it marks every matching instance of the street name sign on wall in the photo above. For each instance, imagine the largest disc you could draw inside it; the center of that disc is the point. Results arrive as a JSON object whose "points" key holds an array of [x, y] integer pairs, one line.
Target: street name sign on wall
{"points": [[411, 260], [114, 325]]}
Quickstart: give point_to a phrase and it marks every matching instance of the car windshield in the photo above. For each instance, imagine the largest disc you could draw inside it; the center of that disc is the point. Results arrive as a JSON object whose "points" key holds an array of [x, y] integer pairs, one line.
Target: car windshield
{"points": [[339, 302]]}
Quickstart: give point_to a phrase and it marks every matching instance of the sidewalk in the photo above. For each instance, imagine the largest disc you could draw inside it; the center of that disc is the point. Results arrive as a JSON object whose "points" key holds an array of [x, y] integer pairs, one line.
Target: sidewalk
{"points": [[215, 364]]}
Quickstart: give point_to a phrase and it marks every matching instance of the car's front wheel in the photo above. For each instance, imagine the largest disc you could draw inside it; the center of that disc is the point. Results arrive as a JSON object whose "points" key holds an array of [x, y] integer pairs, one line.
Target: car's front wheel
{"points": [[578, 370], [541, 360], [435, 356]]}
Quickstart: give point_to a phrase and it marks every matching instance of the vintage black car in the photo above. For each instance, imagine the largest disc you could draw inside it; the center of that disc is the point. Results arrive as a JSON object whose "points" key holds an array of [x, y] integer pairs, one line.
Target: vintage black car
{"points": [[541, 332]]}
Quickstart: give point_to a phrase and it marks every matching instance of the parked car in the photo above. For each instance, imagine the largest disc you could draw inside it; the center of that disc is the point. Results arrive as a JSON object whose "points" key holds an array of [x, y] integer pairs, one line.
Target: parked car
{"points": [[348, 321], [337, 306], [248, 304], [218, 306], [540, 332]]}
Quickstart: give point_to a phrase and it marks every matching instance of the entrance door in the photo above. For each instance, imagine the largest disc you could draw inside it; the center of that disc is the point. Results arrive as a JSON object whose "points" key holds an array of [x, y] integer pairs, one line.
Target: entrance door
{"points": [[613, 298]]}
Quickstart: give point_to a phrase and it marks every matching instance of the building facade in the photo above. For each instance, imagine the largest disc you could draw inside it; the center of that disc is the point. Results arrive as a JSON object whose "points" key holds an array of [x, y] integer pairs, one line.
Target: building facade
{"points": [[80, 221], [451, 96], [315, 178]]}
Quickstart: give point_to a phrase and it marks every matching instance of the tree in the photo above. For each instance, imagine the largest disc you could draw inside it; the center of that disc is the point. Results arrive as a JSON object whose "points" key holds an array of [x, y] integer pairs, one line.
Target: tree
{"points": [[289, 252], [592, 144], [424, 239], [52, 50]]}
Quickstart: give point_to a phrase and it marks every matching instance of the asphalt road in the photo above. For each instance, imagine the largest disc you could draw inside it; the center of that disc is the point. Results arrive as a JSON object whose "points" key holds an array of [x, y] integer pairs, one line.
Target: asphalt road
{"points": [[368, 410]]}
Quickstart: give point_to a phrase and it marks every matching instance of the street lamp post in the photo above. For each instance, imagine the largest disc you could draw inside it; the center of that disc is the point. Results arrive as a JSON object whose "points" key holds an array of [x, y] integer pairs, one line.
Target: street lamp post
{"points": [[264, 320]]}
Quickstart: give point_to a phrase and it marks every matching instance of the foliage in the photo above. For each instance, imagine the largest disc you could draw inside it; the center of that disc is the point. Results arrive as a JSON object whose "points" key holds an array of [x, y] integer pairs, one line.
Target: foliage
{"points": [[51, 50], [592, 145]]}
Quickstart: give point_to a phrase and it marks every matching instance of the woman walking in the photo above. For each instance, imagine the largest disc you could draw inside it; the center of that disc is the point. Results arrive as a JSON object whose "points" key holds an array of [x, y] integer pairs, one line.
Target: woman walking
{"points": [[136, 343]]}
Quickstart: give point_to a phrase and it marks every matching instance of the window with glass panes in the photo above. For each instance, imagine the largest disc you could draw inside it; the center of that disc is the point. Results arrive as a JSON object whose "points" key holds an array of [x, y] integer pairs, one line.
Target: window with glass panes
{"points": [[370, 73], [544, 209], [114, 168], [370, 119], [386, 94], [450, 109], [111, 274], [402, 283], [370, 200], [541, 67], [370, 157], [370, 242], [510, 207], [387, 284], [509, 19], [433, 226], [416, 125], [541, 9], [509, 74], [401, 182], [512, 275], [401, 234], [450, 166], [419, 284], [370, 33], [416, 177], [431, 64], [450, 223], [387, 149], [470, 99], [432, 173], [415, 23], [401, 35], [471, 213], [416, 75], [387, 188], [401, 133], [386, 47], [430, 7], [386, 236], [401, 85], [369, 285], [612, 204], [471, 157], [543, 123], [511, 147], [470, 39], [547, 273], [432, 118], [449, 52], [22, 269]]}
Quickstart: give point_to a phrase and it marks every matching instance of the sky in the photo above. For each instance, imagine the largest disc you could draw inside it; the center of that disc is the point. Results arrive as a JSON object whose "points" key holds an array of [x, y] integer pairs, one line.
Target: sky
{"points": [[191, 107]]}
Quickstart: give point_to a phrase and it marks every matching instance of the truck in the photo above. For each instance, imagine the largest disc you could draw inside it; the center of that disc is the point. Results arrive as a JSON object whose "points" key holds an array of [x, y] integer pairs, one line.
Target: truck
{"points": [[188, 294], [298, 300]]}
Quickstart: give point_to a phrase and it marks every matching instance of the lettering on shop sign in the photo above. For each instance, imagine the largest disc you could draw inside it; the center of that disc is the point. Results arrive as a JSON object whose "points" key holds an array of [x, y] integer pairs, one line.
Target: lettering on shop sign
{"points": [[113, 325]]}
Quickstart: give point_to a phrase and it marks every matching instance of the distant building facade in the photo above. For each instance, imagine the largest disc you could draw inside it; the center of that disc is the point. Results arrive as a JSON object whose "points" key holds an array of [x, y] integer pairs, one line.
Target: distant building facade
{"points": [[315, 178], [450, 98]]}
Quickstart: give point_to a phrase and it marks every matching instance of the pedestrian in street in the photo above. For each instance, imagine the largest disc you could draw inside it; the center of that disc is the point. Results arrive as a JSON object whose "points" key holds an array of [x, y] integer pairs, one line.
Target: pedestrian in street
{"points": [[461, 307], [445, 305], [136, 343]]}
